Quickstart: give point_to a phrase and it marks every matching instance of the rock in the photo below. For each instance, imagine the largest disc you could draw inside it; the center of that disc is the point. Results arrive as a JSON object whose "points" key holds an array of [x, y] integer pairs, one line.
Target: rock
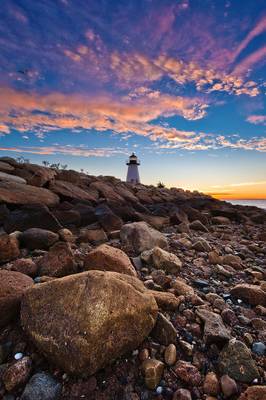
{"points": [[69, 175], [107, 192], [201, 245], [164, 332], [152, 370], [183, 228], [26, 266], [252, 294], [234, 261], [11, 178], [254, 393], [92, 235], [198, 226], [182, 394], [17, 374], [37, 238], [108, 258], [5, 167], [42, 386], [67, 190], [221, 220], [68, 217], [18, 193], [139, 236], [211, 384], [170, 354], [13, 285], [31, 216], [66, 235], [187, 373], [214, 258], [181, 288], [58, 261], [107, 219], [228, 386], [259, 348], [166, 301], [214, 329], [236, 361], [9, 248], [36, 175], [166, 261], [82, 322]]}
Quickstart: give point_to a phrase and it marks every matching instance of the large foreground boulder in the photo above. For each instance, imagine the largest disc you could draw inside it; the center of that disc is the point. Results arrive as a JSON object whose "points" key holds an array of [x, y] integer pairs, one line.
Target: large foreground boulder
{"points": [[19, 193], [12, 286], [82, 322], [108, 258], [139, 236]]}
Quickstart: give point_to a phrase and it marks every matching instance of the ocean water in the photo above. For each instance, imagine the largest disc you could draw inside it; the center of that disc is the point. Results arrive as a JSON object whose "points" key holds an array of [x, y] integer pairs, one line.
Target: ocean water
{"points": [[255, 203]]}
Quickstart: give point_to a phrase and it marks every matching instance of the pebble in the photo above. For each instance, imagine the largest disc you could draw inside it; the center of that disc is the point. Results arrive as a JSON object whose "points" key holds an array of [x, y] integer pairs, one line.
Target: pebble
{"points": [[259, 348], [211, 384], [182, 394], [18, 356], [228, 386], [170, 354], [17, 374], [42, 386], [152, 371]]}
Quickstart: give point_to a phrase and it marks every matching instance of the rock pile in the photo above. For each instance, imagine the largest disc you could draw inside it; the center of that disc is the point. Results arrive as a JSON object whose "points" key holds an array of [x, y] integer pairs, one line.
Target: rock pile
{"points": [[116, 291]]}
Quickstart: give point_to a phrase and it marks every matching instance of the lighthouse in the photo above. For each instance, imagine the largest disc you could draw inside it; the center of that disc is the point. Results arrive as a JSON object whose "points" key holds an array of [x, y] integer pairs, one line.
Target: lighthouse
{"points": [[132, 171]]}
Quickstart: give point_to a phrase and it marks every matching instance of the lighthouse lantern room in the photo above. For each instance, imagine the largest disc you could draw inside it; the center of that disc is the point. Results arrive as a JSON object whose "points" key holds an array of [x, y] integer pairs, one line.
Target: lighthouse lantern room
{"points": [[132, 171]]}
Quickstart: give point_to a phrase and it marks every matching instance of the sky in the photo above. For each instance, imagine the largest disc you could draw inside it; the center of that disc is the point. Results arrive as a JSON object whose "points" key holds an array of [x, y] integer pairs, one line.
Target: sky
{"points": [[182, 83]]}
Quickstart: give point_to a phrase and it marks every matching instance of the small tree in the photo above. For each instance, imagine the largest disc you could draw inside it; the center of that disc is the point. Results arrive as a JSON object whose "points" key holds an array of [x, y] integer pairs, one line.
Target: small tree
{"points": [[160, 185], [46, 163]]}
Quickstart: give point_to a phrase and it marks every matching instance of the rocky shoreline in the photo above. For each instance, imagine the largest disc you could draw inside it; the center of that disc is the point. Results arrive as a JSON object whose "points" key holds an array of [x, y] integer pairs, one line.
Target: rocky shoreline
{"points": [[121, 292]]}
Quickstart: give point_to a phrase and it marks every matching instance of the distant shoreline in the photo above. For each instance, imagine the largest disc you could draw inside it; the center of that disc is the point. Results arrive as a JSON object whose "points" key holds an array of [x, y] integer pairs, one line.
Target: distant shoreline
{"points": [[248, 202]]}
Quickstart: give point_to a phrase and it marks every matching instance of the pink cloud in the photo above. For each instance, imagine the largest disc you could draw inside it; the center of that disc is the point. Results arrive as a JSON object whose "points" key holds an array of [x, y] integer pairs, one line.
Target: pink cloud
{"points": [[257, 119]]}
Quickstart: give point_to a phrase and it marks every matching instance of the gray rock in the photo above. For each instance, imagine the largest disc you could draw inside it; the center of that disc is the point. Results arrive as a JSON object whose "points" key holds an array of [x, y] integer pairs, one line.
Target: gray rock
{"points": [[259, 348], [236, 361], [214, 329], [164, 331], [42, 386]]}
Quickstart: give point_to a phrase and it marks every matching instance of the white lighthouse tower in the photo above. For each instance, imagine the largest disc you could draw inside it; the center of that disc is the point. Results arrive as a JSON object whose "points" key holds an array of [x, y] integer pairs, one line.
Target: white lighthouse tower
{"points": [[132, 171]]}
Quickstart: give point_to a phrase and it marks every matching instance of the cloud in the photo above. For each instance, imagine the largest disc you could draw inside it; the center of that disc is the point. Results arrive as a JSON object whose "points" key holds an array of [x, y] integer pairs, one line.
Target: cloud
{"points": [[257, 119], [240, 184], [4, 129], [67, 150], [252, 59]]}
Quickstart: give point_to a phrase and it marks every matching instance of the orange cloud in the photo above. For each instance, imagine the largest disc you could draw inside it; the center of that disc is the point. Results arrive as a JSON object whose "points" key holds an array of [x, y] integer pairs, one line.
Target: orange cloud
{"points": [[257, 119]]}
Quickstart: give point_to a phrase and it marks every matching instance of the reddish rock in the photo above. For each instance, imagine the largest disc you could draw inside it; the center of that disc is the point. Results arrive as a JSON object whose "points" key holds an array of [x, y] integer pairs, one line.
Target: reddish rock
{"points": [[188, 373], [254, 393], [18, 193], [13, 285], [58, 261], [84, 321], [69, 191], [108, 258], [211, 384], [182, 394], [228, 386], [17, 374], [95, 236], [9, 248], [26, 266], [182, 288], [166, 301], [214, 329], [252, 294]]}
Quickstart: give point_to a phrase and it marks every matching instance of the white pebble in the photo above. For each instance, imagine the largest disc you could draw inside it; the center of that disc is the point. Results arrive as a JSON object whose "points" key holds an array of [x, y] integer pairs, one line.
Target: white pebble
{"points": [[159, 390], [18, 356]]}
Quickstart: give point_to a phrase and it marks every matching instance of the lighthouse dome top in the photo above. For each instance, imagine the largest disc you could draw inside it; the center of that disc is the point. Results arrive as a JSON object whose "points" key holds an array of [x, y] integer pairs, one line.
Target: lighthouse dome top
{"points": [[133, 159]]}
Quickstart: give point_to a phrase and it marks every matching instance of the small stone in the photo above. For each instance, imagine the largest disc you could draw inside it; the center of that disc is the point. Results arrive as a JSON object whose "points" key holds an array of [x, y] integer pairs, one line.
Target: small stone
{"points": [[198, 226], [42, 386], [252, 294], [170, 354], [211, 384], [143, 354], [18, 356], [259, 348], [152, 370], [188, 373], [214, 329], [228, 386], [164, 331], [166, 261], [182, 394], [17, 374], [159, 390], [202, 245]]}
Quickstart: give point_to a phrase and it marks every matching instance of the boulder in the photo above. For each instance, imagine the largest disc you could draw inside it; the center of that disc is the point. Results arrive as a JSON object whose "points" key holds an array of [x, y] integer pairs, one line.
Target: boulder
{"points": [[9, 248], [31, 216], [36, 175], [5, 167], [13, 285], [107, 191], [236, 361], [139, 236], [107, 219], [42, 386], [94, 235], [18, 193], [83, 322], [166, 261], [11, 178], [252, 294], [58, 261], [214, 329], [108, 258], [37, 238], [68, 190]]}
